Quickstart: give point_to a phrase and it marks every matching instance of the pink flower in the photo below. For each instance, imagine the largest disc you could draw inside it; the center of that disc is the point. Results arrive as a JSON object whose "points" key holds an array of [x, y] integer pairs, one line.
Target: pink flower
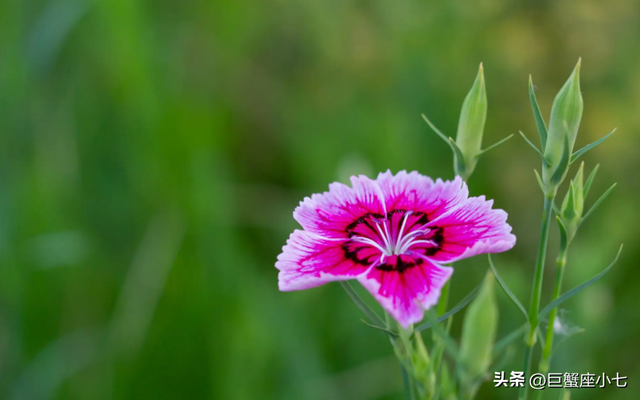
{"points": [[393, 235]]}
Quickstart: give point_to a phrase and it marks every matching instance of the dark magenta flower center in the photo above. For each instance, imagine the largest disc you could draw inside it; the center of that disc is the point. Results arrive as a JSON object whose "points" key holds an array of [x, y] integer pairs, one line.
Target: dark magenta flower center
{"points": [[394, 242]]}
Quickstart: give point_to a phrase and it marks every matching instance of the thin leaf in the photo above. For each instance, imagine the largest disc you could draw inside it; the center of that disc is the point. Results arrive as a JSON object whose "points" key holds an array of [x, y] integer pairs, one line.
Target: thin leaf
{"points": [[568, 206], [436, 130], [542, 128], [544, 190], [597, 203], [577, 289], [493, 146], [590, 146], [558, 174], [466, 300], [556, 210], [507, 340], [506, 289], [587, 184], [375, 319], [530, 143], [385, 330]]}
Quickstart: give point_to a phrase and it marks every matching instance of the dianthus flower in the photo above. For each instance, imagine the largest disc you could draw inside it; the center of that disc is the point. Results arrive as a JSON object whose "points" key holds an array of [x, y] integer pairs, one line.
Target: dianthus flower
{"points": [[394, 235]]}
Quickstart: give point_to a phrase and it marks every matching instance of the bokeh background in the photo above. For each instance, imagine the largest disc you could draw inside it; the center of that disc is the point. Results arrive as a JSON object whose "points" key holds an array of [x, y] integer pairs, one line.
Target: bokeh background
{"points": [[152, 153]]}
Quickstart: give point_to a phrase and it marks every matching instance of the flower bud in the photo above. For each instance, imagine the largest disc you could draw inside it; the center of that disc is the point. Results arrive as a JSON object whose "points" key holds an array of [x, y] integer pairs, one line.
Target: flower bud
{"points": [[566, 114], [471, 124], [573, 204], [478, 336]]}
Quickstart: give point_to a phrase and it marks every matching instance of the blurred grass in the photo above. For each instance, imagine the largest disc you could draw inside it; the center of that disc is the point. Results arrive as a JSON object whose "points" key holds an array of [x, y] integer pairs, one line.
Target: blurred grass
{"points": [[151, 154]]}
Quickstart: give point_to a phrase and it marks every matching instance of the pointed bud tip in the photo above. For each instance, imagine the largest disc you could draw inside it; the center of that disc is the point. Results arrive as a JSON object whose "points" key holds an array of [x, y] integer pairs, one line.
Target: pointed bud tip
{"points": [[480, 74], [576, 70]]}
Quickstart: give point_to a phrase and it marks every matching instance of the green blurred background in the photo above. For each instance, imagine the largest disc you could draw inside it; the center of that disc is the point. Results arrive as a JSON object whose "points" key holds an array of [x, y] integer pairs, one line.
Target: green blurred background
{"points": [[152, 153]]}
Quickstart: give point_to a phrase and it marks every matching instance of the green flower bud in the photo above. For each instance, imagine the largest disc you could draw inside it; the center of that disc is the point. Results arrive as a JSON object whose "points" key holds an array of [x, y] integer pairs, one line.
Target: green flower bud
{"points": [[478, 336], [471, 124], [566, 114]]}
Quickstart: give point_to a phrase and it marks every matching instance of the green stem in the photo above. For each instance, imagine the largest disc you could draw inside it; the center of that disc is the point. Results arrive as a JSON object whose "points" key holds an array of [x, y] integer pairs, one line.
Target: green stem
{"points": [[407, 381], [438, 348], [548, 343], [402, 346], [534, 306]]}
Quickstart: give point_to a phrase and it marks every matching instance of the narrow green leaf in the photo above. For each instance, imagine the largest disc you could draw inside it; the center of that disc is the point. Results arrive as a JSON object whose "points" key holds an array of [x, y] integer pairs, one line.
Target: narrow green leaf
{"points": [[578, 190], [598, 202], [493, 146], [568, 205], [587, 184], [577, 289], [542, 128], [559, 172], [460, 165], [436, 130], [506, 289], [556, 210], [590, 146], [533, 146], [385, 330], [544, 190], [545, 162], [466, 300], [375, 319], [510, 338]]}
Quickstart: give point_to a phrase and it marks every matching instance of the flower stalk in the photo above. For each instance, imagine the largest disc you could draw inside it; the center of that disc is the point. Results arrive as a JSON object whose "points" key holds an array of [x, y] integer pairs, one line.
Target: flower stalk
{"points": [[561, 262], [557, 146], [534, 305]]}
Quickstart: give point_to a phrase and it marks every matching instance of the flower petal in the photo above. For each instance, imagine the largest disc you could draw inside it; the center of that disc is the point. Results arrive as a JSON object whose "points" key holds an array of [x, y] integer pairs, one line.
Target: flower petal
{"points": [[416, 192], [328, 214], [473, 228], [308, 260], [406, 295]]}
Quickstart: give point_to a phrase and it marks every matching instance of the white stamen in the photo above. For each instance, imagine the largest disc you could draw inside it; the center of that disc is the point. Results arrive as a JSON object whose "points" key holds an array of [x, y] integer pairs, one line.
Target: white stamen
{"points": [[411, 243], [373, 243], [384, 238], [411, 236], [402, 243], [404, 221]]}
